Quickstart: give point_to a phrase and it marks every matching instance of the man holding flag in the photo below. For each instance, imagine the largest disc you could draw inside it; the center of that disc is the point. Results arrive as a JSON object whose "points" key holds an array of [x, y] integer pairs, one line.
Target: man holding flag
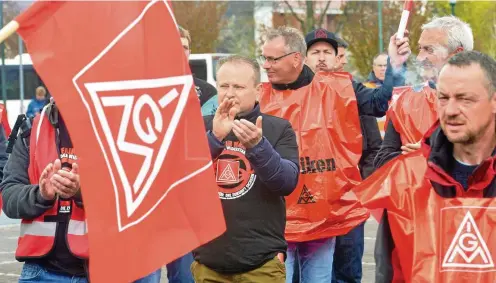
{"points": [[441, 38]]}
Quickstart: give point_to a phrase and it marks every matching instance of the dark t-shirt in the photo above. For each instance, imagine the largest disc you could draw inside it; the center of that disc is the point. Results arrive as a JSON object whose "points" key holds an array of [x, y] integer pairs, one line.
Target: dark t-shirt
{"points": [[461, 172]]}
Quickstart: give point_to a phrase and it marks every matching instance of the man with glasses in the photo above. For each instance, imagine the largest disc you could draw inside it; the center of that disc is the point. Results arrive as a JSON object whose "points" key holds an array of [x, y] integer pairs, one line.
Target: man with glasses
{"points": [[283, 57], [311, 227]]}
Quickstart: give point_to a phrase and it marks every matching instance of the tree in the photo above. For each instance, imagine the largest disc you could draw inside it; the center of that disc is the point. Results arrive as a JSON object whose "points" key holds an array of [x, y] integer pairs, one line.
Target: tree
{"points": [[11, 10], [204, 20], [237, 36], [481, 15], [311, 19], [361, 29], [308, 15]]}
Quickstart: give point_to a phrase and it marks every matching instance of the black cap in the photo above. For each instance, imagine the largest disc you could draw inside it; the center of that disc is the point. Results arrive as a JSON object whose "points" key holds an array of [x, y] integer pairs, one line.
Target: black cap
{"points": [[321, 35]]}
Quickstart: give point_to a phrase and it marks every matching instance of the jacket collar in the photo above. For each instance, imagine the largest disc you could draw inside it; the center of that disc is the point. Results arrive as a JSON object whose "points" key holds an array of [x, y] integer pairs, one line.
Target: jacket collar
{"points": [[304, 79], [251, 115], [438, 151]]}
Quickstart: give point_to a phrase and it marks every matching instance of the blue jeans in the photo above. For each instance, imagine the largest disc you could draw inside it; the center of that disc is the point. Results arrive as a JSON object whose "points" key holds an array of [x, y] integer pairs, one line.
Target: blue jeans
{"points": [[154, 277], [311, 260], [35, 273], [179, 270], [347, 267]]}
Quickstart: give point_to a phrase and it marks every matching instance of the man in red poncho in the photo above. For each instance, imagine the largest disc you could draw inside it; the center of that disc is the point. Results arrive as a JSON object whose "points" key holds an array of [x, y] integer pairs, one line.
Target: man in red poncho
{"points": [[444, 194], [412, 113]]}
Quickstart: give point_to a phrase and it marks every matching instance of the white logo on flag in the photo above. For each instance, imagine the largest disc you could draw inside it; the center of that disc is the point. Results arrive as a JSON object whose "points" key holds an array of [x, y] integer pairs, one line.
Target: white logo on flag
{"points": [[151, 134], [468, 250]]}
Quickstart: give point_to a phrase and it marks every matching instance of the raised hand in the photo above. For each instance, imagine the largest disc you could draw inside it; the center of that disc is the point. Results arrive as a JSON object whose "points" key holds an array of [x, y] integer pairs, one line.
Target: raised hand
{"points": [[224, 118], [247, 133]]}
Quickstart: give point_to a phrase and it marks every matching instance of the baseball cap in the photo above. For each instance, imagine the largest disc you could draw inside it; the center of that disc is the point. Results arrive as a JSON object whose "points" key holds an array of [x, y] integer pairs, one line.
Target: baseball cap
{"points": [[321, 35]]}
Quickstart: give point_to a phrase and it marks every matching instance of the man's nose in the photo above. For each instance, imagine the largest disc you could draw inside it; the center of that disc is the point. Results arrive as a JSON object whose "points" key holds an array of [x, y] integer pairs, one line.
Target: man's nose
{"points": [[421, 56], [230, 92], [266, 65], [452, 108]]}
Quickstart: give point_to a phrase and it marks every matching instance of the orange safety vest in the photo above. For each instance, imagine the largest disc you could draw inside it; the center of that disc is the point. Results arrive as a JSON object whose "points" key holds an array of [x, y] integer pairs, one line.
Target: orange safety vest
{"points": [[458, 244], [37, 235], [413, 113], [324, 116], [5, 120], [397, 91]]}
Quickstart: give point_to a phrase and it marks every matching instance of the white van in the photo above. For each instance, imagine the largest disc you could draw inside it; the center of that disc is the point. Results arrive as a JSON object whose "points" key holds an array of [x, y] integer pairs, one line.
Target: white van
{"points": [[203, 66]]}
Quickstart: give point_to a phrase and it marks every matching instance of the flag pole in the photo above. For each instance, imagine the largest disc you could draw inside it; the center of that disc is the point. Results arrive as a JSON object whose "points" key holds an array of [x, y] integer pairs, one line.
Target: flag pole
{"points": [[8, 30]]}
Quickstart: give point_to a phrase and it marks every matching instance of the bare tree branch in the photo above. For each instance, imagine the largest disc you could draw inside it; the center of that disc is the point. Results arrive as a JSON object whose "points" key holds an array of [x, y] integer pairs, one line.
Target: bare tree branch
{"points": [[294, 13], [323, 13]]}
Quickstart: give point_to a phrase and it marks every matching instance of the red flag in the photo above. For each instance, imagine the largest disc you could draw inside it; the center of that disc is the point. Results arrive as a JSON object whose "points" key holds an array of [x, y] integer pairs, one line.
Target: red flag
{"points": [[120, 78], [5, 121]]}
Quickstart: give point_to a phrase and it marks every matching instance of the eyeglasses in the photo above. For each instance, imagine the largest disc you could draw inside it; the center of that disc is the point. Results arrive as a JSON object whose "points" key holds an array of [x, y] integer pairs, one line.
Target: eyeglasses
{"points": [[262, 59]]}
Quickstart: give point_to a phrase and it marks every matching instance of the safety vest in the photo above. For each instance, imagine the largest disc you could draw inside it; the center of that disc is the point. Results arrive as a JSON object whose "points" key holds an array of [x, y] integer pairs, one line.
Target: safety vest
{"points": [[383, 121], [458, 243], [413, 113], [38, 235], [324, 116], [437, 240]]}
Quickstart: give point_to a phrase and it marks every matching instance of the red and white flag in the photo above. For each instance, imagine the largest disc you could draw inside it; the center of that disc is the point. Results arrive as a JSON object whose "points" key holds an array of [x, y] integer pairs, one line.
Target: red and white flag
{"points": [[120, 78]]}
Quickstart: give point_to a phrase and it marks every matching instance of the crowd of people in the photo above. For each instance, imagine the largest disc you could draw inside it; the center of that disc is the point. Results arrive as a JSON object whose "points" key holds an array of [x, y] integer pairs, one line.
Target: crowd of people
{"points": [[299, 161]]}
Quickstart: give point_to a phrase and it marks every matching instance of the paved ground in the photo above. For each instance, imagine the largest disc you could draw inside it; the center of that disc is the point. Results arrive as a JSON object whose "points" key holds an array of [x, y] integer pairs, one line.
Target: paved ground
{"points": [[11, 269]]}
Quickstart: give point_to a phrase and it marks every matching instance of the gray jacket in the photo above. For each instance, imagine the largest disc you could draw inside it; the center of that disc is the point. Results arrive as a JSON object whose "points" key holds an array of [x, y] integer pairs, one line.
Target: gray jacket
{"points": [[21, 199]]}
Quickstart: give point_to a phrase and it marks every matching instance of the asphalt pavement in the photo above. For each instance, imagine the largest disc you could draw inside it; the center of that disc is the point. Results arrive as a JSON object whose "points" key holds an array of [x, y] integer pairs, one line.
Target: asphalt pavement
{"points": [[10, 269]]}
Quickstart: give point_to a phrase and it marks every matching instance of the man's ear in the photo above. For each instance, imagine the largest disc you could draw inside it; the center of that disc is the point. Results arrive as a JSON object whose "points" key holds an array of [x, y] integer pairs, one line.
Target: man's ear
{"points": [[493, 102], [258, 88], [297, 59]]}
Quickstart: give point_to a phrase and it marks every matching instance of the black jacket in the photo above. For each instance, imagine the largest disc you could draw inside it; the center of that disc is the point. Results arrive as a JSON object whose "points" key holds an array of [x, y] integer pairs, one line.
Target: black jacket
{"points": [[372, 141], [254, 208], [3, 151]]}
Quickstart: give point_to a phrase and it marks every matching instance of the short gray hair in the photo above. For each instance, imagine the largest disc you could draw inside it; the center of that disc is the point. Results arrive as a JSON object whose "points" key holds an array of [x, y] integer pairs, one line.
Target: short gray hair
{"points": [[293, 38], [486, 63], [459, 32], [242, 59], [380, 54]]}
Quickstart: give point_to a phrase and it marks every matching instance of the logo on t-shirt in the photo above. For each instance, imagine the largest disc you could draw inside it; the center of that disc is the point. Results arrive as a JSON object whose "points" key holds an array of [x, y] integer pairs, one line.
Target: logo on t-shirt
{"points": [[234, 174]]}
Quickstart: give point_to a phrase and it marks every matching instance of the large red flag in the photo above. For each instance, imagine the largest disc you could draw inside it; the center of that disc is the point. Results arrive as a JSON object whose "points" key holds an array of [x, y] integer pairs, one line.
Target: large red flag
{"points": [[121, 80]]}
